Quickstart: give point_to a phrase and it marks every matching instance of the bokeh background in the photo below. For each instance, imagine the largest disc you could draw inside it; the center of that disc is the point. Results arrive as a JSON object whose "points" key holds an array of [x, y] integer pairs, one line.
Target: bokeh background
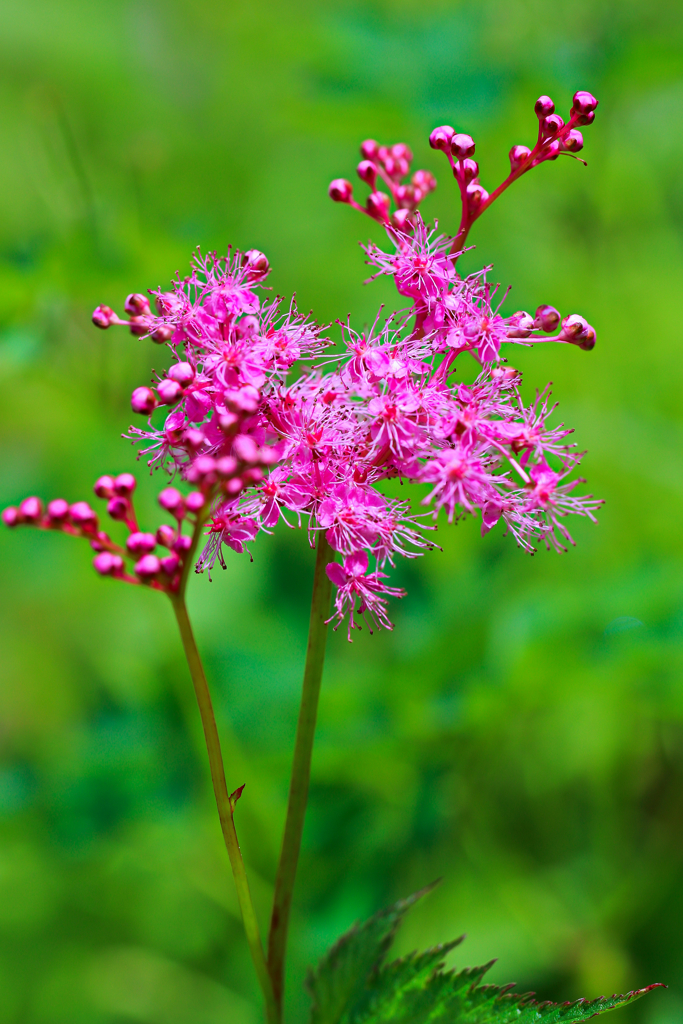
{"points": [[520, 733]]}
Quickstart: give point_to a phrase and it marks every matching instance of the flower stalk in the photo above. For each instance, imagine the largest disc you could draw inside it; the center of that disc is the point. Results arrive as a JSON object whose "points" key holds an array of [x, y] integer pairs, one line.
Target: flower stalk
{"points": [[225, 801], [301, 768]]}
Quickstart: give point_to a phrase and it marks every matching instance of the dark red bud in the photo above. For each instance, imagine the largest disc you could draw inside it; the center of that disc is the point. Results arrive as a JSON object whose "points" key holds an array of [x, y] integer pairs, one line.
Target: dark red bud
{"points": [[136, 304], [369, 149], [104, 487], [462, 146], [584, 119], [57, 510], [162, 333], [518, 154], [182, 373], [367, 171], [400, 151], [547, 318], [573, 141], [544, 107], [584, 102], [441, 137], [469, 169], [377, 205], [30, 510], [340, 190], [256, 263], [424, 180], [118, 508], [552, 124], [169, 391], [103, 317], [143, 400], [124, 484], [166, 535]]}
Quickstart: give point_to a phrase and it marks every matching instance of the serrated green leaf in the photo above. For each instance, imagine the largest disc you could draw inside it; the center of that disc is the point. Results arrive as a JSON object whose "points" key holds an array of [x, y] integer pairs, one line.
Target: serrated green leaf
{"points": [[352, 986], [338, 986]]}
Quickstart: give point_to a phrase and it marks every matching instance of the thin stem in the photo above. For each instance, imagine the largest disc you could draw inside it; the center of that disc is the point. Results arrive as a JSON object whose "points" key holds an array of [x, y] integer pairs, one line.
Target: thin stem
{"points": [[224, 801], [301, 769]]}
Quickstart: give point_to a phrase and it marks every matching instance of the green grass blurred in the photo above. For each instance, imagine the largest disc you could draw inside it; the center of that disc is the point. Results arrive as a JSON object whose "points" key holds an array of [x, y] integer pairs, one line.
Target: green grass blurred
{"points": [[520, 733]]}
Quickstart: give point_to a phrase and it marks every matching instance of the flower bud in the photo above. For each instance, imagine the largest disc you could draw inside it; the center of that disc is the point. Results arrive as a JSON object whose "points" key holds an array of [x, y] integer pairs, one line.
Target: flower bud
{"points": [[108, 564], [267, 456], [118, 509], [584, 119], [547, 318], [544, 107], [584, 102], [141, 543], [143, 400], [166, 535], [103, 317], [30, 510], [469, 169], [577, 331], [553, 150], [234, 486], [104, 487], [256, 263], [573, 141], [506, 375], [476, 195], [148, 566], [521, 325], [162, 333], [396, 169], [424, 180], [369, 149], [195, 501], [182, 373], [169, 563], [441, 137], [136, 304], [182, 545], [367, 172], [226, 466], [462, 146], [172, 500], [245, 448], [377, 205], [400, 151], [169, 391], [82, 515], [340, 190], [11, 516], [57, 511], [518, 154], [552, 124], [124, 484], [402, 220], [253, 475], [138, 325]]}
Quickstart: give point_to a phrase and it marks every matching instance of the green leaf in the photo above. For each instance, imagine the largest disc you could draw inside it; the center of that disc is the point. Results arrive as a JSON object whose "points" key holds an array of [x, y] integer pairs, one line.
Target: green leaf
{"points": [[352, 985]]}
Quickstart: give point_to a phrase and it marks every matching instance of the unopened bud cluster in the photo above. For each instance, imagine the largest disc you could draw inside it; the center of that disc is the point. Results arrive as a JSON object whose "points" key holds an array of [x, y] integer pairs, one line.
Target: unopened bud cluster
{"points": [[387, 166], [156, 559]]}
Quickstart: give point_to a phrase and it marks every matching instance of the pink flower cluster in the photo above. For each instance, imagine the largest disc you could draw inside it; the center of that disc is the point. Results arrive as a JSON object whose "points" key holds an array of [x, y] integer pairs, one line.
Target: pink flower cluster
{"points": [[266, 424]]}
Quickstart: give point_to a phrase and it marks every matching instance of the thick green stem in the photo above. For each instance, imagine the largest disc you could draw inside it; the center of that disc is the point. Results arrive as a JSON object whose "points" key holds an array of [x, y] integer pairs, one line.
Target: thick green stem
{"points": [[301, 770], [224, 801]]}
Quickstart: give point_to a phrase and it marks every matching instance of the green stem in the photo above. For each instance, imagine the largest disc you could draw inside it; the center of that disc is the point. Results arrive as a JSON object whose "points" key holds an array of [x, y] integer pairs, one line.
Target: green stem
{"points": [[225, 801], [301, 770]]}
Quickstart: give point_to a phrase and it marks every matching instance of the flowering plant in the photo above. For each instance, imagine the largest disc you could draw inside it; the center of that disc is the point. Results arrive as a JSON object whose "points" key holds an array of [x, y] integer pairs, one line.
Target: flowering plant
{"points": [[266, 418]]}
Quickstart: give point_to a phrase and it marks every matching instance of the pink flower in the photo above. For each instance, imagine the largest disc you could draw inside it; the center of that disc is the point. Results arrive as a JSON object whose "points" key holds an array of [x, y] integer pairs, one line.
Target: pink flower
{"points": [[353, 585]]}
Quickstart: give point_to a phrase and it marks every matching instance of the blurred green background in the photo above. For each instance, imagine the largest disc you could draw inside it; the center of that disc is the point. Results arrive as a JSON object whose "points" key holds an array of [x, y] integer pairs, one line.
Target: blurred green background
{"points": [[520, 733]]}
